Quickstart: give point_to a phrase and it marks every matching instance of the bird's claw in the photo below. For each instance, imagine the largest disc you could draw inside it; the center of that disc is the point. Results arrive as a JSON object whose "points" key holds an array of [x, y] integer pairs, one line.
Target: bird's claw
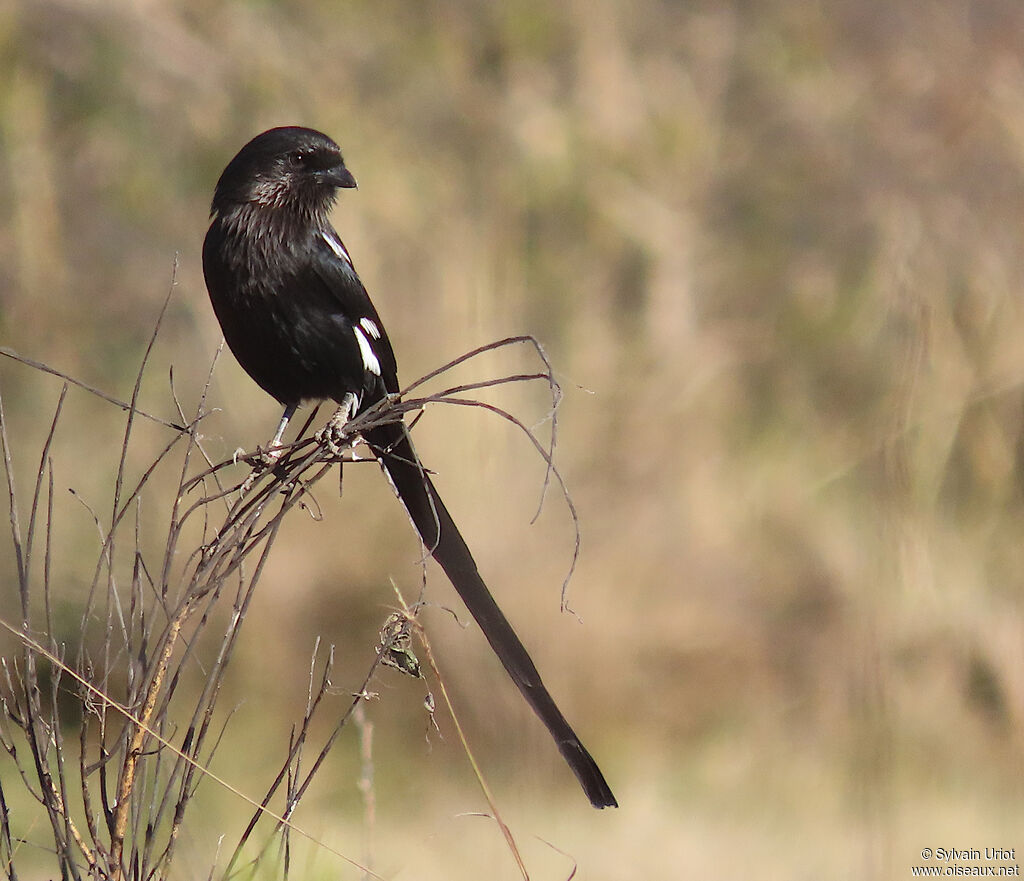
{"points": [[333, 437], [261, 462]]}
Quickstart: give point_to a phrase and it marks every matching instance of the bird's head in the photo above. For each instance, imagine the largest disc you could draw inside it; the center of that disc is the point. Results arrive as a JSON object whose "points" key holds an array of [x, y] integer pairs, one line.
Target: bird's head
{"points": [[288, 168]]}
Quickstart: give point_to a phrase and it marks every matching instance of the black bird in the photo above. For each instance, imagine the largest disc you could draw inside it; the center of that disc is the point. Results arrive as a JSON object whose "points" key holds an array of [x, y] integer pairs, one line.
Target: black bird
{"points": [[299, 321]]}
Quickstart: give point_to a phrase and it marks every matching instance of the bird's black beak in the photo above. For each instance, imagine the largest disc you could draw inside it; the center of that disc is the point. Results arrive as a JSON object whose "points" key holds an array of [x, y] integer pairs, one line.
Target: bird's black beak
{"points": [[339, 176]]}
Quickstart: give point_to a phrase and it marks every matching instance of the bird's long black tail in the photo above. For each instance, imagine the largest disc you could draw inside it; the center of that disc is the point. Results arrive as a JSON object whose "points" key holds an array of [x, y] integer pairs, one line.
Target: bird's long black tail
{"points": [[442, 538]]}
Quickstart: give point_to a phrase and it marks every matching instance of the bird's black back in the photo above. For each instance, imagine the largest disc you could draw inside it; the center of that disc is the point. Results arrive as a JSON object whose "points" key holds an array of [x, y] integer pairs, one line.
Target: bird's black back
{"points": [[292, 315]]}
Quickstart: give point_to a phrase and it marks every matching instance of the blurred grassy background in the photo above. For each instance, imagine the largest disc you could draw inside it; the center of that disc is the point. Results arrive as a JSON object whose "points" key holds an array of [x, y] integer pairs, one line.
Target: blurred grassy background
{"points": [[774, 251]]}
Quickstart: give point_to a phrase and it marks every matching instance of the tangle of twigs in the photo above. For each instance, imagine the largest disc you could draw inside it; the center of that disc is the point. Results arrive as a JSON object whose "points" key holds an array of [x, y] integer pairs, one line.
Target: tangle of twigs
{"points": [[116, 798]]}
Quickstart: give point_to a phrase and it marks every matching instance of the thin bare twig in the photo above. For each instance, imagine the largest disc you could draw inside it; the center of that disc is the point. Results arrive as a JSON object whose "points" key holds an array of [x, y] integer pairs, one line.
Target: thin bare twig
{"points": [[8, 352], [148, 756]]}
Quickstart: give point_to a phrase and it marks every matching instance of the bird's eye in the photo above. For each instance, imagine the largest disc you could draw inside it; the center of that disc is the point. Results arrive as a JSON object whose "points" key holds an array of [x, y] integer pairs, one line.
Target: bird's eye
{"points": [[299, 158]]}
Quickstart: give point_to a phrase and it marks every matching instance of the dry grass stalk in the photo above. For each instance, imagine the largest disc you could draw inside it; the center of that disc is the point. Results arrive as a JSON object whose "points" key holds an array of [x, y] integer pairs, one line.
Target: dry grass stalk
{"points": [[117, 799]]}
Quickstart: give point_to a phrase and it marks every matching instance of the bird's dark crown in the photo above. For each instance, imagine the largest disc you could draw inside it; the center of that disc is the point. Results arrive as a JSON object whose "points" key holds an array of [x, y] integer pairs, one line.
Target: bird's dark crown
{"points": [[283, 168]]}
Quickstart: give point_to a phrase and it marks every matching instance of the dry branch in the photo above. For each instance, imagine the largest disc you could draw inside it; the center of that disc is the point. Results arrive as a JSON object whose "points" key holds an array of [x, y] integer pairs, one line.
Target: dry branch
{"points": [[117, 795]]}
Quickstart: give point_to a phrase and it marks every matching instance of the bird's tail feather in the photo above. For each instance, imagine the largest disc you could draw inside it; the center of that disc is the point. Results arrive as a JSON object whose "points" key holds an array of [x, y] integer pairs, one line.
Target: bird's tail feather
{"points": [[442, 538]]}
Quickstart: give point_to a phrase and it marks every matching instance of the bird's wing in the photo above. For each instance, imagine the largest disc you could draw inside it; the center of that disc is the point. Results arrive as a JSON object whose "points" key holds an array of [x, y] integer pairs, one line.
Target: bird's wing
{"points": [[332, 271]]}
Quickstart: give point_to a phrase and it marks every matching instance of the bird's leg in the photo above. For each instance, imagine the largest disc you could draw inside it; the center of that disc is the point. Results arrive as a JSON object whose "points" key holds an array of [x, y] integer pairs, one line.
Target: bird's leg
{"points": [[332, 435], [267, 458], [273, 452], [289, 411]]}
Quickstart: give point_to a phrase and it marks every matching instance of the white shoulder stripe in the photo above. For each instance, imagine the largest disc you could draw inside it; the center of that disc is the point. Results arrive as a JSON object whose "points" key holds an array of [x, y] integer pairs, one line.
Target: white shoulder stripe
{"points": [[370, 326], [336, 246], [370, 361]]}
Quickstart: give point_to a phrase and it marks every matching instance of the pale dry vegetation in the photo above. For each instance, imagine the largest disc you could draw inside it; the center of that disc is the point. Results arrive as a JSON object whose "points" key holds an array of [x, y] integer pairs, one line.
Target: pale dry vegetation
{"points": [[773, 251]]}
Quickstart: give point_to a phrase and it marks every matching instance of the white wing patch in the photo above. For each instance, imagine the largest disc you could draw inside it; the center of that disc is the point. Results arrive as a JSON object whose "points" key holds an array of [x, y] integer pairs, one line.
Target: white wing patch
{"points": [[370, 361], [336, 246], [370, 326]]}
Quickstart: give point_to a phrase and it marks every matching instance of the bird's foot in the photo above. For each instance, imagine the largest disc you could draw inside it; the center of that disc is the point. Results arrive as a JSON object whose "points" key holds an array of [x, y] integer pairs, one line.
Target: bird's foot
{"points": [[334, 438], [261, 462], [333, 435]]}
